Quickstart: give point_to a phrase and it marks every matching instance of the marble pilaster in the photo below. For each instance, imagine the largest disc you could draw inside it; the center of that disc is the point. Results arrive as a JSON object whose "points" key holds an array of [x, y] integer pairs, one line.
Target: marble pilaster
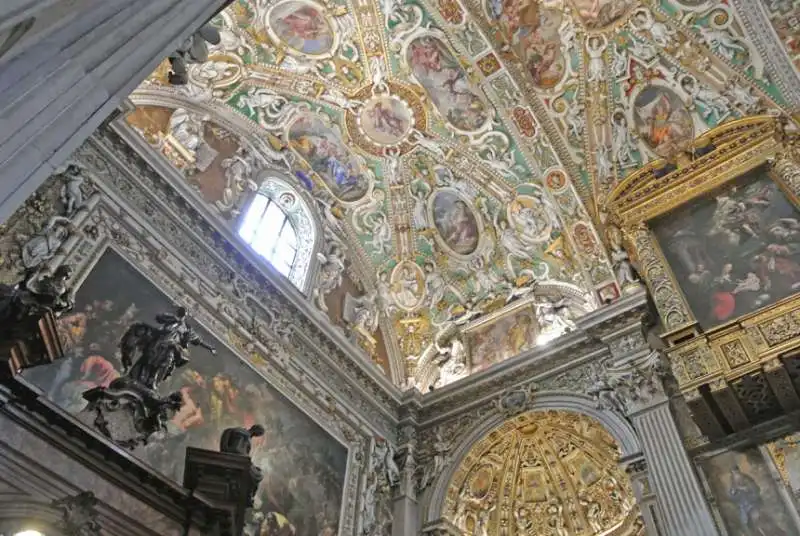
{"points": [[672, 477], [74, 74]]}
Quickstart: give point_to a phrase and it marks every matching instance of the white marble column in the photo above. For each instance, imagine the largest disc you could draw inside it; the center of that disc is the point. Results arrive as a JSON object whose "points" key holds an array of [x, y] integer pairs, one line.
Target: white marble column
{"points": [[682, 505], [73, 74]]}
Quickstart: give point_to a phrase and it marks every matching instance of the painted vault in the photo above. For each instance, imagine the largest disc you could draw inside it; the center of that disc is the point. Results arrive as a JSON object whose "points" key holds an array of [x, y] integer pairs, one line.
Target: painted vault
{"points": [[457, 155]]}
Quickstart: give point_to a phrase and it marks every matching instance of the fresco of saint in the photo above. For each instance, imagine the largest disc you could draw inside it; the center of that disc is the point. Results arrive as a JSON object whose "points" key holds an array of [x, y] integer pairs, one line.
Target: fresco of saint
{"points": [[663, 121], [455, 222], [440, 73]]}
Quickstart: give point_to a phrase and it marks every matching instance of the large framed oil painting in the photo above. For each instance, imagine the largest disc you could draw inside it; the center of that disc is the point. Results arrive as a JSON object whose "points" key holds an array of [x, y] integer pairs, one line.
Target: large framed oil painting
{"points": [[502, 338], [748, 499], [734, 252], [304, 466]]}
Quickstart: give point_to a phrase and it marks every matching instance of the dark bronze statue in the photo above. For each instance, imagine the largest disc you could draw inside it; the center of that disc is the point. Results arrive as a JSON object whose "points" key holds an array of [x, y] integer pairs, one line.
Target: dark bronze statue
{"points": [[239, 440], [38, 293], [193, 50], [158, 350]]}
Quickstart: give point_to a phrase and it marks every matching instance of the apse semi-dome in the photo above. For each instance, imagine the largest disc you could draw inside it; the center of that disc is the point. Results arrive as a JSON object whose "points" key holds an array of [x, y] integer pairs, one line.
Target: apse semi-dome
{"points": [[543, 473]]}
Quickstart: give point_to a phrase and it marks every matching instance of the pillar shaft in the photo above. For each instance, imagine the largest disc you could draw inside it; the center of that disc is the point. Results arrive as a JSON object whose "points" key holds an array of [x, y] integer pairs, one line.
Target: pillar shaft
{"points": [[683, 507], [70, 76]]}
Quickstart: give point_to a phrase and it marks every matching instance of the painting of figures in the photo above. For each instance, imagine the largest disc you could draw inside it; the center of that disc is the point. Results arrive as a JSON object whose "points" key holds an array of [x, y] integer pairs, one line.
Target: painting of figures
{"points": [[455, 222], [736, 252], [446, 82], [303, 466], [663, 121], [749, 501], [324, 151], [302, 26], [501, 339], [387, 120], [532, 31], [597, 14]]}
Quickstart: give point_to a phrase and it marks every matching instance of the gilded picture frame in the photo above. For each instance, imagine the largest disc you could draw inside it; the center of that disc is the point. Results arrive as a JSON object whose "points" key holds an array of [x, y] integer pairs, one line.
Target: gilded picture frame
{"points": [[718, 160]]}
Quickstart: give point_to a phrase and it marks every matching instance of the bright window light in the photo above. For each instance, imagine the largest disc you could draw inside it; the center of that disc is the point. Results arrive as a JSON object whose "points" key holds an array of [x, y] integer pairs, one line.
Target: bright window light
{"points": [[267, 229]]}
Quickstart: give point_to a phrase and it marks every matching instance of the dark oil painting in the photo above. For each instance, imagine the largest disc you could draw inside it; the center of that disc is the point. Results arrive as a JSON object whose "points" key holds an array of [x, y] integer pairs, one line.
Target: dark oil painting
{"points": [[747, 496], [304, 467], [735, 252]]}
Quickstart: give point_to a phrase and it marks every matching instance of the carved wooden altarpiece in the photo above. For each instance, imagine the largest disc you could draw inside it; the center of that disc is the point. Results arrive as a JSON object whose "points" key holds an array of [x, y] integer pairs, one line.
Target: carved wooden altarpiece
{"points": [[713, 234]]}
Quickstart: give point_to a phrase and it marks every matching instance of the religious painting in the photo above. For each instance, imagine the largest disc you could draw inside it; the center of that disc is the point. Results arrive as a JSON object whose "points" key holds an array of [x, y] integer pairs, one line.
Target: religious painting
{"points": [[455, 221], [532, 31], [386, 120], [597, 14], [447, 84], [407, 285], [329, 157], [735, 252], [502, 339], [302, 26], [747, 497], [304, 467], [662, 121]]}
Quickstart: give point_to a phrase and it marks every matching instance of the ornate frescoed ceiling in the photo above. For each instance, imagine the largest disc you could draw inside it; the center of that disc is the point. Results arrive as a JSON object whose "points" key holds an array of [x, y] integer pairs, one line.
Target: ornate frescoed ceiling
{"points": [[459, 153], [543, 473]]}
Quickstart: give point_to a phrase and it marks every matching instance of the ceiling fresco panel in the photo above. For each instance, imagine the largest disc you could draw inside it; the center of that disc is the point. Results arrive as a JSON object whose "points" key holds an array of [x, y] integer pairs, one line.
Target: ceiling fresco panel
{"points": [[458, 154]]}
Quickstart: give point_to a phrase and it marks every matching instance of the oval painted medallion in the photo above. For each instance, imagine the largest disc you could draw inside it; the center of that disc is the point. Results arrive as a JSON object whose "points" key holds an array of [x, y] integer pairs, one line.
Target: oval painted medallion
{"points": [[455, 222], [447, 84], [303, 27], [662, 121], [322, 147]]}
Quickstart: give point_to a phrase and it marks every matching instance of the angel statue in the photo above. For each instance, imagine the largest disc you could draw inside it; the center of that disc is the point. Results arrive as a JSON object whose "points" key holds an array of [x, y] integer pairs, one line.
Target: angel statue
{"points": [[160, 350]]}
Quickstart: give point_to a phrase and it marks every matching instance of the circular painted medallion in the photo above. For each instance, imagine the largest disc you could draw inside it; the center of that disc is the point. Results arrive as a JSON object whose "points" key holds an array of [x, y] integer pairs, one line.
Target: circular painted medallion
{"points": [[303, 27], [386, 120], [455, 221]]}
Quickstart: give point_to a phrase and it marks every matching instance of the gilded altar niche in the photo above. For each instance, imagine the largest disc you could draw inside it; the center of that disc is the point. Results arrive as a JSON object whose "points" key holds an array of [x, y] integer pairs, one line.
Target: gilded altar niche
{"points": [[716, 233], [543, 472]]}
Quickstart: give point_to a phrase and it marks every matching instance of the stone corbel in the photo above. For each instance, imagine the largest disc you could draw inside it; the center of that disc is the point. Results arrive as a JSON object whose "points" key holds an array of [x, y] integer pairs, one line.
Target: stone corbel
{"points": [[703, 415], [727, 402], [781, 384]]}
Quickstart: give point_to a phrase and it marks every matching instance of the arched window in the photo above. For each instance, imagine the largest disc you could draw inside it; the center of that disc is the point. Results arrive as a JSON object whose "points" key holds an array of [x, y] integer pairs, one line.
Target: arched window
{"points": [[278, 226]]}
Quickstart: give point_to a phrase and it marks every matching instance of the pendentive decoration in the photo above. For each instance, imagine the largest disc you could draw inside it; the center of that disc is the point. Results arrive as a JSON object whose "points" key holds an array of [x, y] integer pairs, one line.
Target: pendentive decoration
{"points": [[130, 410]]}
